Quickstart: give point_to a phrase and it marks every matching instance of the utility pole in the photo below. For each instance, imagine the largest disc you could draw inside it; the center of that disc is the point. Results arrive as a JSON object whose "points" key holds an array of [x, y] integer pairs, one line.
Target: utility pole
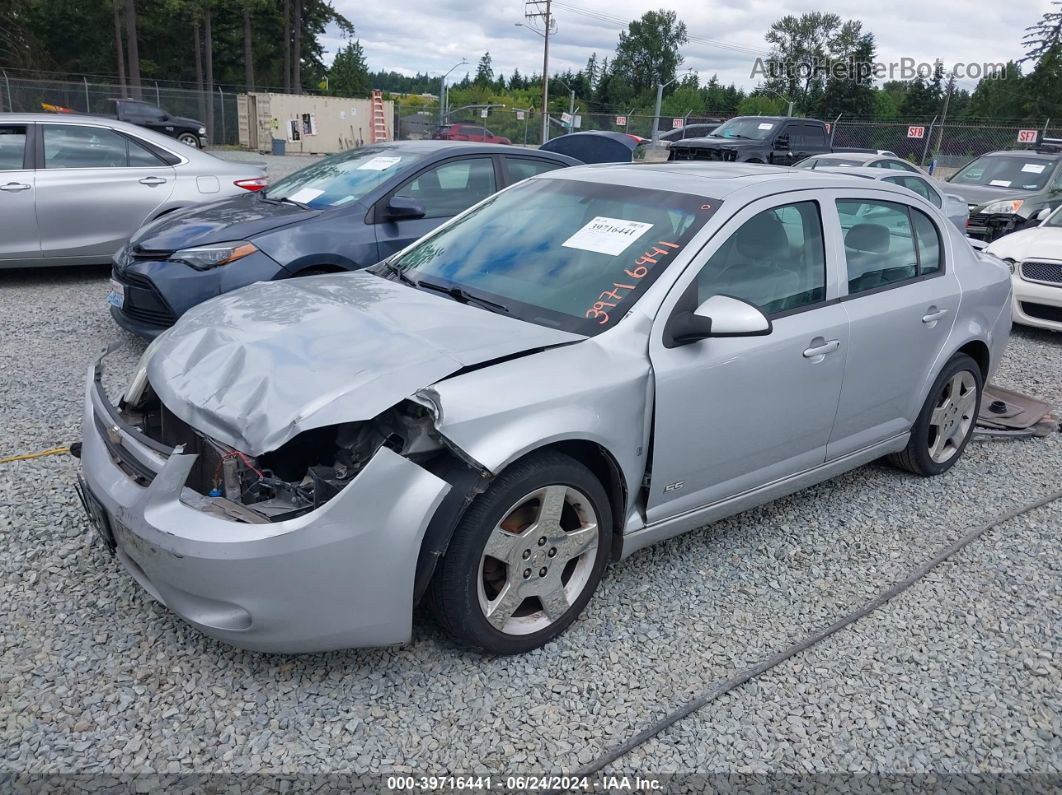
{"points": [[534, 10], [944, 115]]}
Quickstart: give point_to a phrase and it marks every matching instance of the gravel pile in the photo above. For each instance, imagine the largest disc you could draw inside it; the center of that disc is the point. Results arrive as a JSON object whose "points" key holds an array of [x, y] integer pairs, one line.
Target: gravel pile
{"points": [[962, 673]]}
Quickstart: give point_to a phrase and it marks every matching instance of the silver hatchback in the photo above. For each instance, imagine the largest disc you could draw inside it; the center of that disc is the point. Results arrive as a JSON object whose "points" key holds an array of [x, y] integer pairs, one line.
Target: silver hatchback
{"points": [[74, 188], [588, 362]]}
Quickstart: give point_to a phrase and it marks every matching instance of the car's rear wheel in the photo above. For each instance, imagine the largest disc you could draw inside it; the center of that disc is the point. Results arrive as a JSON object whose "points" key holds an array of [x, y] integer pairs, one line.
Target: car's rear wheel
{"points": [[189, 139], [526, 557], [946, 422]]}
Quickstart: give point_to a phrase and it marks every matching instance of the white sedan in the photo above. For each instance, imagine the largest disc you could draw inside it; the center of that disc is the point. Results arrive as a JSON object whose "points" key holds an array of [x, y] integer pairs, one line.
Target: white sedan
{"points": [[950, 204], [1035, 259]]}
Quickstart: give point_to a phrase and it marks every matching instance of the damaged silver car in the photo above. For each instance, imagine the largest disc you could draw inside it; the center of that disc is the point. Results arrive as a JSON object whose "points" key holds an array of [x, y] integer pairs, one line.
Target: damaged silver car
{"points": [[590, 361]]}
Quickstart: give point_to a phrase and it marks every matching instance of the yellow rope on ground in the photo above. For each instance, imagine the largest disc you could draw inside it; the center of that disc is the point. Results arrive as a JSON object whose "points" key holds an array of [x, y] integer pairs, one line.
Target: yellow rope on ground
{"points": [[38, 454]]}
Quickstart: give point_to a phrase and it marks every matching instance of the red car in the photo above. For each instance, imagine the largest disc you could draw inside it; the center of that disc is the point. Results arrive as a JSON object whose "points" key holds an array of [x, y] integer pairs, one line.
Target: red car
{"points": [[461, 131]]}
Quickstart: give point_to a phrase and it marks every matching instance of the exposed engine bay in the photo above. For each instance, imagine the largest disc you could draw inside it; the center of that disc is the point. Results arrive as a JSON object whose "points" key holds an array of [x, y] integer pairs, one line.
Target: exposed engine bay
{"points": [[302, 474]]}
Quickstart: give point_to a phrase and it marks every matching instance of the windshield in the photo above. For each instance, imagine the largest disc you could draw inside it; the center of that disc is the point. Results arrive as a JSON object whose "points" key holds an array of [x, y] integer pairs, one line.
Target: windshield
{"points": [[752, 127], [342, 178], [562, 253], [1006, 171]]}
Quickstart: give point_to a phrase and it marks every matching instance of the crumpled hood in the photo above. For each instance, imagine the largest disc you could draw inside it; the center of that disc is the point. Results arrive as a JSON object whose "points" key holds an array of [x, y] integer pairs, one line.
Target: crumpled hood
{"points": [[238, 218], [258, 366], [1039, 242]]}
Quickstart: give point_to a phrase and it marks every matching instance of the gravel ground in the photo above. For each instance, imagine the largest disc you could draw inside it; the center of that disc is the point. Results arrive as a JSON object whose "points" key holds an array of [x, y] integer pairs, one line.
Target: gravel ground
{"points": [[962, 673]]}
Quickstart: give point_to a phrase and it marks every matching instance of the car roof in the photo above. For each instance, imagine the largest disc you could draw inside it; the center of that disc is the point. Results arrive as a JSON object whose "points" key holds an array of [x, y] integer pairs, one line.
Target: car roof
{"points": [[1031, 153], [864, 156], [715, 180], [870, 172], [428, 146]]}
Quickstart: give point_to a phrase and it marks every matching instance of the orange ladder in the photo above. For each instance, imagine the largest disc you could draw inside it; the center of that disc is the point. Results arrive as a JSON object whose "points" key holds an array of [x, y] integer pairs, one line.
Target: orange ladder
{"points": [[379, 118]]}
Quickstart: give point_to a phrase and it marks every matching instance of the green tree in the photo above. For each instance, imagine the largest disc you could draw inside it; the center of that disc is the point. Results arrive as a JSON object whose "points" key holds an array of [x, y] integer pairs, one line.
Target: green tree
{"points": [[485, 71], [1045, 36], [648, 51], [801, 49], [349, 74]]}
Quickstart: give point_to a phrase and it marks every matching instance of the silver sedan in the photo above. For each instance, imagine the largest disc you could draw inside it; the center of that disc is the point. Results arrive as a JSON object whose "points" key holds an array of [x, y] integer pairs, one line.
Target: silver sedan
{"points": [[591, 361], [74, 188]]}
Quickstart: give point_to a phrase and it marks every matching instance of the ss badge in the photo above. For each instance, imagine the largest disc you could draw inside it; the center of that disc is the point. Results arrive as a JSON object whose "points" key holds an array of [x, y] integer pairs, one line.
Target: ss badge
{"points": [[676, 486]]}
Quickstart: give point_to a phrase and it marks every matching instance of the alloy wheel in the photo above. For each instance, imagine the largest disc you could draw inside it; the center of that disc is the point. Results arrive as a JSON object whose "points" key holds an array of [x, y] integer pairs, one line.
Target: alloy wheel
{"points": [[952, 417], [537, 560]]}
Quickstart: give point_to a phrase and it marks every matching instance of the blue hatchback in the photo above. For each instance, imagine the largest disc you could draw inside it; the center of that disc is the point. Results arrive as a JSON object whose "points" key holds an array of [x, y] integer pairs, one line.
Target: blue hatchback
{"points": [[344, 212]]}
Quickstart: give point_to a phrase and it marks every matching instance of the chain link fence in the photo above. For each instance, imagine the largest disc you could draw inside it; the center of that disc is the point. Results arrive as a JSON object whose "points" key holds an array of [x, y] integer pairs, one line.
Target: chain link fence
{"points": [[21, 95]]}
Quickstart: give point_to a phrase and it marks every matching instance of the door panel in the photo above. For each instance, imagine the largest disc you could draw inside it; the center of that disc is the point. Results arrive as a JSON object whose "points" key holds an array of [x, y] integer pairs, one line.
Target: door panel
{"points": [[445, 190], [895, 341], [19, 236], [89, 199], [733, 414]]}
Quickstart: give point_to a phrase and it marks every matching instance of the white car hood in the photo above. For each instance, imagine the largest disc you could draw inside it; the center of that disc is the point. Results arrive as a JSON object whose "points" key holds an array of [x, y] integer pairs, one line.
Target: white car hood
{"points": [[1040, 241], [258, 366]]}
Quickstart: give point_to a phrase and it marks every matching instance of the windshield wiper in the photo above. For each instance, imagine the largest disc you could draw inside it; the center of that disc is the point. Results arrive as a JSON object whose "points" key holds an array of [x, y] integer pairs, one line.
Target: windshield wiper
{"points": [[462, 295], [390, 267]]}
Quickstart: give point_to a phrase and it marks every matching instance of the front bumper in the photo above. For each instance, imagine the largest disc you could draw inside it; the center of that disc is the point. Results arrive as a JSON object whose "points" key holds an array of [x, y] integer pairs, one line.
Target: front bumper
{"points": [[341, 576], [1037, 304], [984, 226], [158, 292]]}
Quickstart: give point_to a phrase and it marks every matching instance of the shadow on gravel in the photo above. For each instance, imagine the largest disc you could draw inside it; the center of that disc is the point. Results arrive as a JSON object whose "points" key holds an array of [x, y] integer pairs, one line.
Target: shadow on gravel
{"points": [[52, 275]]}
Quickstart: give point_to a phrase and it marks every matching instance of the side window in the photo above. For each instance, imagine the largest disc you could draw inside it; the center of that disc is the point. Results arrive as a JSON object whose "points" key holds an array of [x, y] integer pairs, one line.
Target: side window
{"points": [[452, 187], [140, 155], [71, 146], [896, 165], [929, 258], [923, 188], [814, 135], [879, 244], [12, 147], [524, 167], [776, 260]]}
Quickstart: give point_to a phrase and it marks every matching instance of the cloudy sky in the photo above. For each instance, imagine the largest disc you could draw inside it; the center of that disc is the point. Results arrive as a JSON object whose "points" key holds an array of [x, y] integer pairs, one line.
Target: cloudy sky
{"points": [[725, 35]]}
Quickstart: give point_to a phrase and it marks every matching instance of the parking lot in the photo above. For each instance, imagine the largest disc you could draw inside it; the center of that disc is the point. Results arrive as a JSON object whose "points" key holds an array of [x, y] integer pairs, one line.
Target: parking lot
{"points": [[960, 674]]}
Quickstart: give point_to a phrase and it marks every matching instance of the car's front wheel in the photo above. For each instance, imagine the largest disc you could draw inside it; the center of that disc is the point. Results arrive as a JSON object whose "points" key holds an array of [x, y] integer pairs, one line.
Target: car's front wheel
{"points": [[526, 557], [189, 139], [946, 422]]}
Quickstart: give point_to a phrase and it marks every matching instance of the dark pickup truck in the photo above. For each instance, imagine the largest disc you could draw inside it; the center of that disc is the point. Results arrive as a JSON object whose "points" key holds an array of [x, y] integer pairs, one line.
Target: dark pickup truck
{"points": [[781, 140], [144, 114]]}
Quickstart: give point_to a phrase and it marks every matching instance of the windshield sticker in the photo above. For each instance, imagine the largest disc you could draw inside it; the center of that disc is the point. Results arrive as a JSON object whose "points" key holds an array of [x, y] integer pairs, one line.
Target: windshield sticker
{"points": [[620, 290], [605, 235], [379, 163], [304, 195], [1000, 183], [1033, 168], [765, 126]]}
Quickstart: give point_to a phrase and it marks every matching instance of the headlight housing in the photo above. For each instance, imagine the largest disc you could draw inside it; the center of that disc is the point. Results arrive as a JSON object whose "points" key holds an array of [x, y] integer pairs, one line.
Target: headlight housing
{"points": [[1005, 207], [214, 255], [138, 383], [202, 130], [1012, 264]]}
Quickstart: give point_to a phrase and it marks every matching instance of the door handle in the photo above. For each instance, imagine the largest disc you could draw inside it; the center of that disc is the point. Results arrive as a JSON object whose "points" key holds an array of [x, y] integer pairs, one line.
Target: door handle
{"points": [[821, 349], [933, 315], [152, 181], [14, 187]]}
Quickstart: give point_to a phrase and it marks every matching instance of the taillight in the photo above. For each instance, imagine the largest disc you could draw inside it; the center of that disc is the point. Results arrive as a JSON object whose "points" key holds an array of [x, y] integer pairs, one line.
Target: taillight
{"points": [[252, 184]]}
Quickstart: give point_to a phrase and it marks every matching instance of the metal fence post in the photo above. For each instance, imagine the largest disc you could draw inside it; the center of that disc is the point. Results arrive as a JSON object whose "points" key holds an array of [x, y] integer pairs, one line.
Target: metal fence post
{"points": [[10, 99], [88, 108], [1045, 129], [833, 128], [221, 95], [929, 136], [158, 100]]}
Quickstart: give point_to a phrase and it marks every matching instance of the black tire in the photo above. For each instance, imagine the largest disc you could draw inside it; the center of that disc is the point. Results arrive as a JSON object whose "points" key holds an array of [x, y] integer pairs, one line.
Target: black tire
{"points": [[454, 594], [916, 456], [190, 139]]}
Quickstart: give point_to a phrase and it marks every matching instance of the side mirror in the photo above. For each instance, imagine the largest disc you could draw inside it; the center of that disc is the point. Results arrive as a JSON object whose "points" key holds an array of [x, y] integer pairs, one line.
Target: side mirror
{"points": [[719, 316], [955, 197], [1043, 214], [403, 208]]}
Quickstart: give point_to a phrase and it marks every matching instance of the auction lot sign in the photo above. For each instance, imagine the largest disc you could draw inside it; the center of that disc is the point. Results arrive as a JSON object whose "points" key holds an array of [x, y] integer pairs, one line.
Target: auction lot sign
{"points": [[1027, 136], [916, 132]]}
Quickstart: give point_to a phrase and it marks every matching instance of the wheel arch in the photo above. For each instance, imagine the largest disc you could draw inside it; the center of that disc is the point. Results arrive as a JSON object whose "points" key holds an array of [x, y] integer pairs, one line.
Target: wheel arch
{"points": [[978, 351], [467, 482]]}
